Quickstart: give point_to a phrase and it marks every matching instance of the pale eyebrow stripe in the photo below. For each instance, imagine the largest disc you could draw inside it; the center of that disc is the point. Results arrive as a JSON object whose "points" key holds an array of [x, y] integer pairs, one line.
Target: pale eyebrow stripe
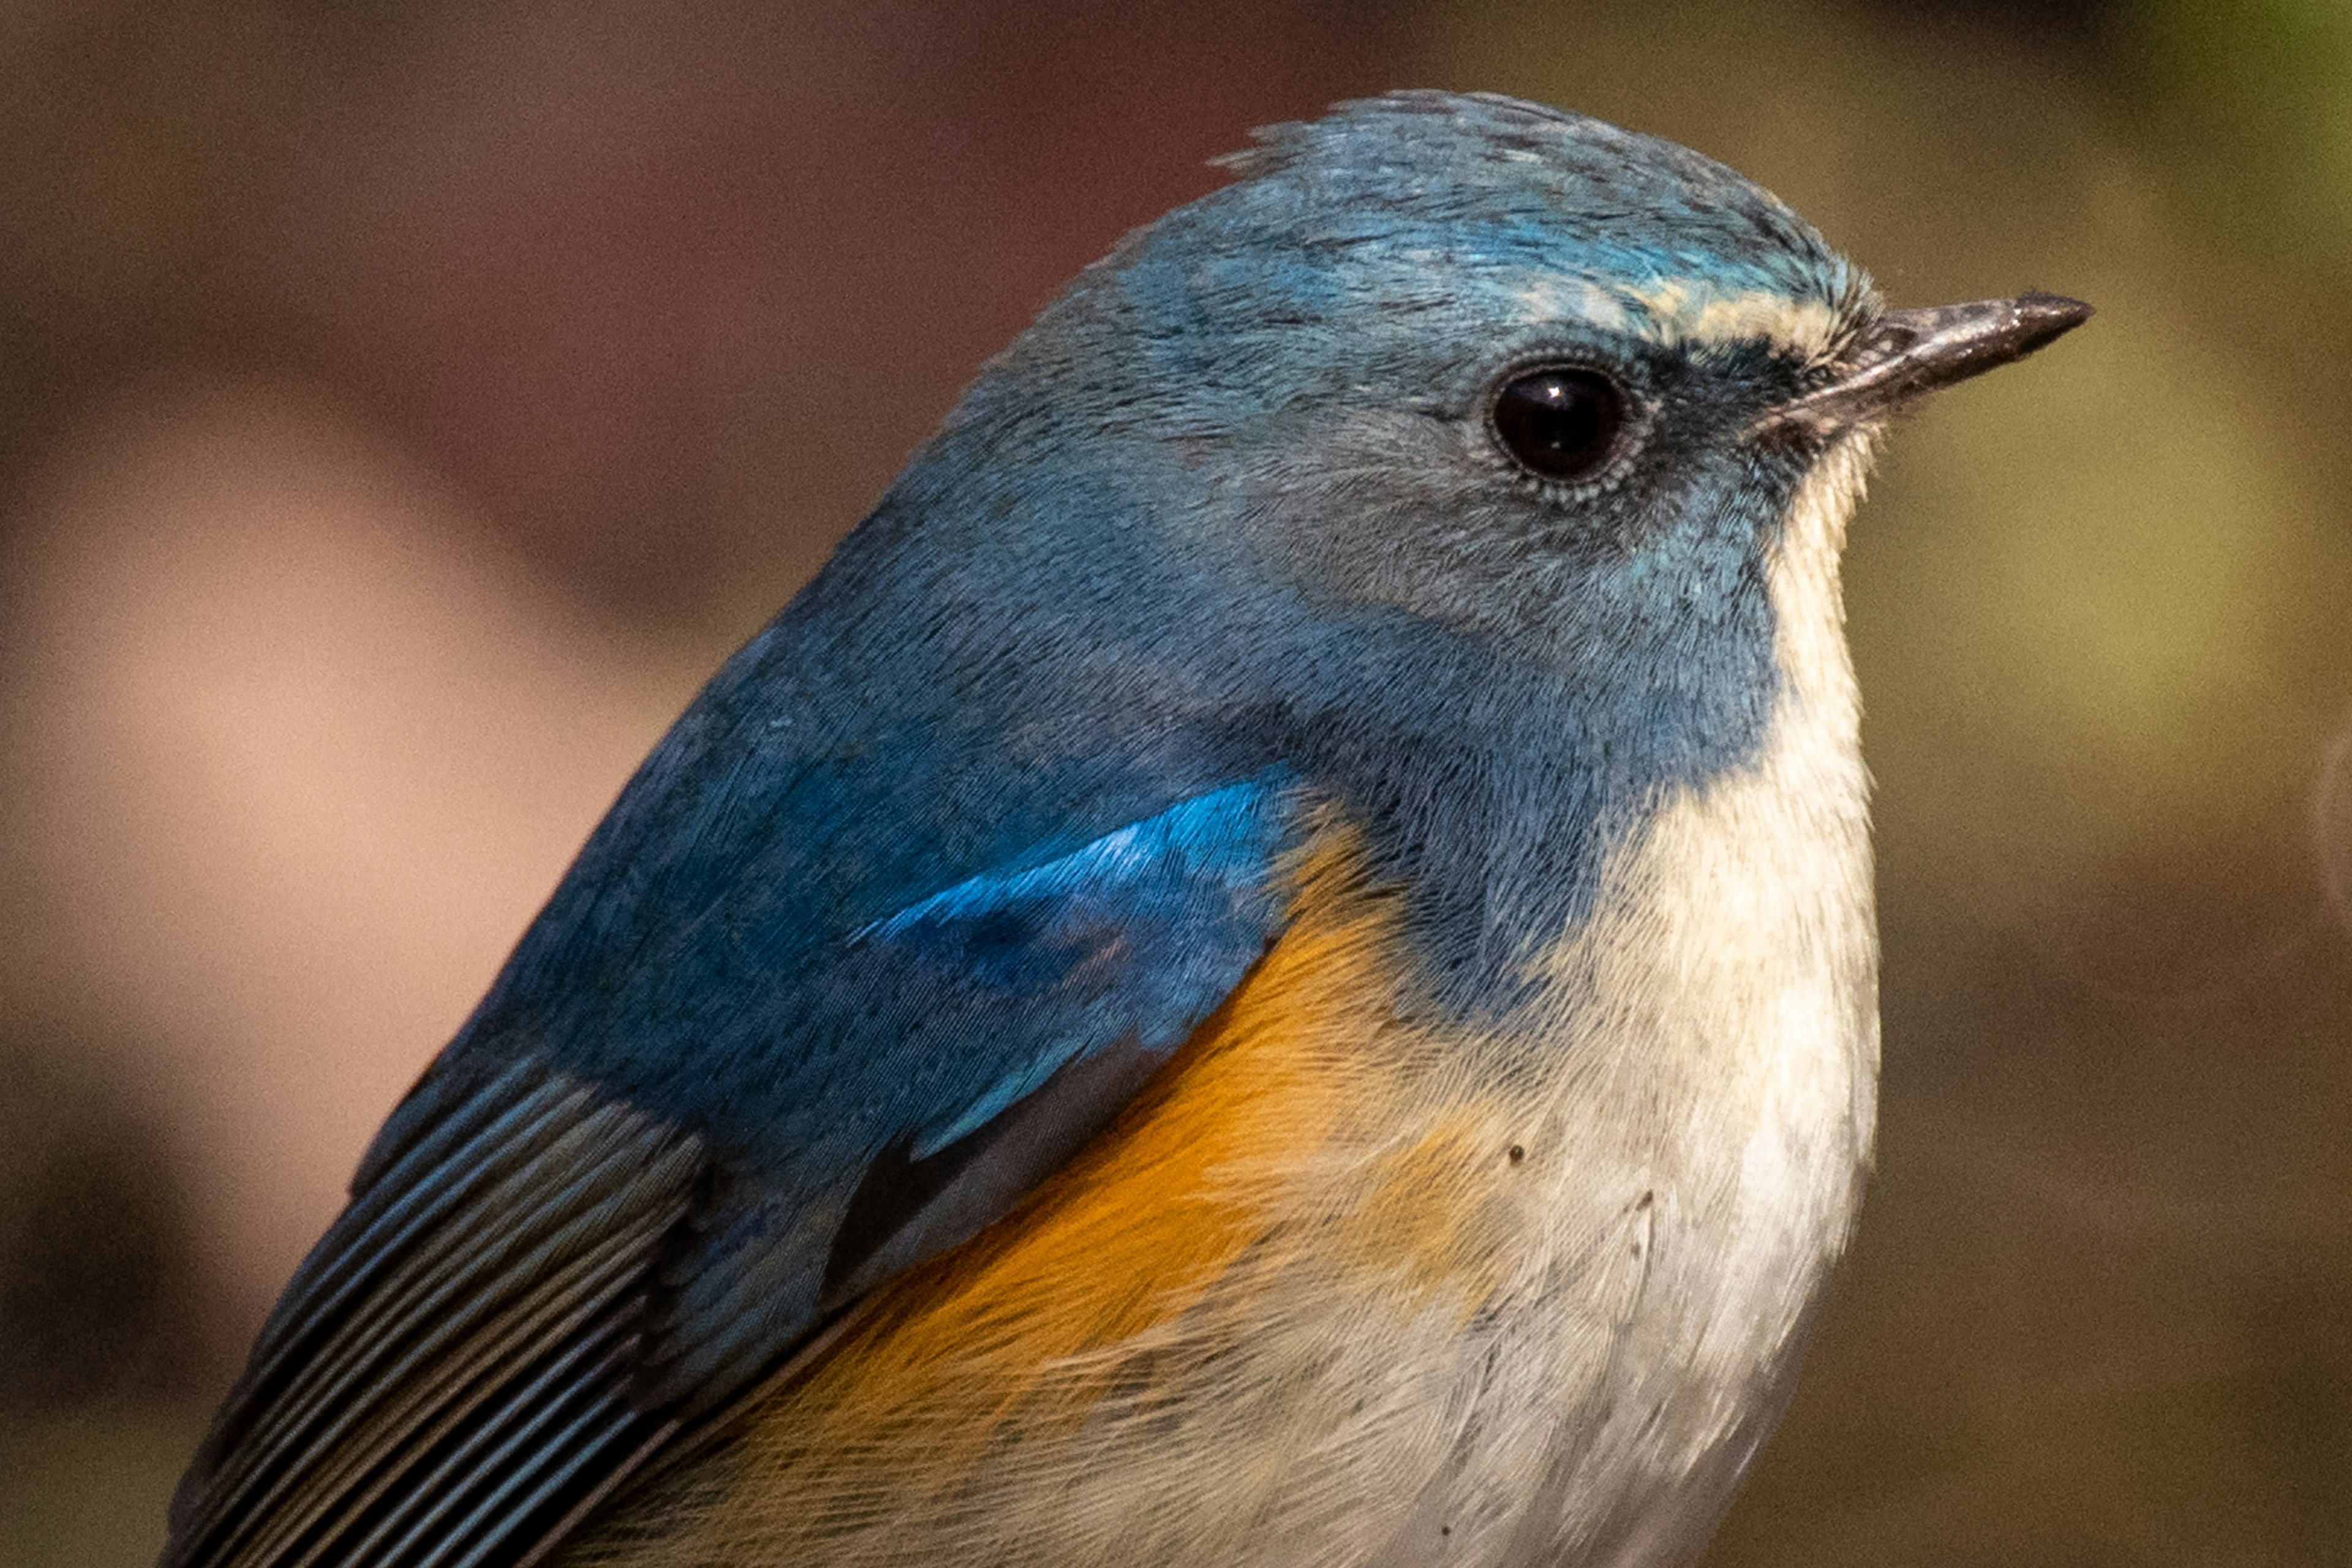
{"points": [[1807, 328], [1677, 311]]}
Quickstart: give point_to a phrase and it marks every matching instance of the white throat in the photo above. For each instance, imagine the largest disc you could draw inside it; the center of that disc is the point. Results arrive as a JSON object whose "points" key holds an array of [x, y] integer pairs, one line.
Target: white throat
{"points": [[1716, 1027]]}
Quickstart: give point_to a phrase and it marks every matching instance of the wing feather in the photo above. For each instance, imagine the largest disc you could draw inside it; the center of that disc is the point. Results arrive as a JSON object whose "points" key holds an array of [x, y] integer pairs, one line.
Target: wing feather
{"points": [[461, 1342], [543, 1276]]}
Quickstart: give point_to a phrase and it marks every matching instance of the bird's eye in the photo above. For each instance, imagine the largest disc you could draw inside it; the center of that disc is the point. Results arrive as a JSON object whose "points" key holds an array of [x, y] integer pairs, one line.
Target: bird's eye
{"points": [[1560, 423]]}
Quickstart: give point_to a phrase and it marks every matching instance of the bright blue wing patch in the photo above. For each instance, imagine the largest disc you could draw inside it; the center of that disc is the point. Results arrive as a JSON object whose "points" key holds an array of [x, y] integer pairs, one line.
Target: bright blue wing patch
{"points": [[1138, 936]]}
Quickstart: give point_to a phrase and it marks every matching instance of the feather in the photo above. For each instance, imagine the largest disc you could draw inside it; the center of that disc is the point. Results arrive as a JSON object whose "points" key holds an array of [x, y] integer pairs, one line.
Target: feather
{"points": [[489, 1341]]}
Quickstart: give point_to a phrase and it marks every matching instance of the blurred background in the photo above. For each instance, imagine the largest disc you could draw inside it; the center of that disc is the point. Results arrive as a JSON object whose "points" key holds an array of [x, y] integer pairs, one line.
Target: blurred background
{"points": [[403, 407]]}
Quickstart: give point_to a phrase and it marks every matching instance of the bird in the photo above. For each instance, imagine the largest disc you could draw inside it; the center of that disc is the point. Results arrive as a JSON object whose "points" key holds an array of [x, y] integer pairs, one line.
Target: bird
{"points": [[1273, 964]]}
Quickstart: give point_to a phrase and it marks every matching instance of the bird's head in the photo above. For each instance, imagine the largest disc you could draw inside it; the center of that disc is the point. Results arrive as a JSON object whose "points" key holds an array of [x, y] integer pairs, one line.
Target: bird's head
{"points": [[1456, 392], [1514, 370]]}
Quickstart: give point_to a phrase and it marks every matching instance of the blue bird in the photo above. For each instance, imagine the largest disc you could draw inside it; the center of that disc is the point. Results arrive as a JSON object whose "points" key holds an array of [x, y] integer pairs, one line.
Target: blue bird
{"points": [[1274, 965]]}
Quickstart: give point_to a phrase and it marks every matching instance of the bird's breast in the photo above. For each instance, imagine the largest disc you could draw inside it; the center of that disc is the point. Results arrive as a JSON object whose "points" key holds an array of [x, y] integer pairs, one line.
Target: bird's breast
{"points": [[1348, 1286], [1345, 1287], [1712, 1030]]}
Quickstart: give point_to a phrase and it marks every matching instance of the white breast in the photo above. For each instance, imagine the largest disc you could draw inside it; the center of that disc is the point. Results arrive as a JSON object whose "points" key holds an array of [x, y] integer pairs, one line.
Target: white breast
{"points": [[1698, 1154]]}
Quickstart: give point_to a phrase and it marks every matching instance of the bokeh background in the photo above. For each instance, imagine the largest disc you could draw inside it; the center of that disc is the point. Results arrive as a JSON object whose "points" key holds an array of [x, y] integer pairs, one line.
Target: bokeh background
{"points": [[401, 408]]}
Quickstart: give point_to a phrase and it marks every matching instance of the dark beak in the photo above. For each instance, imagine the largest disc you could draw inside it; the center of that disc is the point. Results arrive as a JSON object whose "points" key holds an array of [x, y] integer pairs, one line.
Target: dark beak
{"points": [[1909, 353]]}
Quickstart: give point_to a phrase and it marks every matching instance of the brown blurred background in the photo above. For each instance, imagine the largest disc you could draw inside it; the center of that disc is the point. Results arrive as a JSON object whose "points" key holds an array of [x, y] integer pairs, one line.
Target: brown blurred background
{"points": [[401, 408]]}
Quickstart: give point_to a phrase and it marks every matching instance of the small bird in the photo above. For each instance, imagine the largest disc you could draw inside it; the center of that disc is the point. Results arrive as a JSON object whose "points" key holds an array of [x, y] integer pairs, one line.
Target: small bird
{"points": [[1274, 965]]}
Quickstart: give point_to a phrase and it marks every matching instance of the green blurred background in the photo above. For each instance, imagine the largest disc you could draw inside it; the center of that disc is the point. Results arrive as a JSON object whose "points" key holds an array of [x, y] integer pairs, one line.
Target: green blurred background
{"points": [[403, 407]]}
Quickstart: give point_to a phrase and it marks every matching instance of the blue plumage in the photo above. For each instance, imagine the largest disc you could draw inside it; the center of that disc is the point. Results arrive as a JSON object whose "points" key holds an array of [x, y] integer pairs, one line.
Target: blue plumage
{"points": [[1134, 938], [944, 866]]}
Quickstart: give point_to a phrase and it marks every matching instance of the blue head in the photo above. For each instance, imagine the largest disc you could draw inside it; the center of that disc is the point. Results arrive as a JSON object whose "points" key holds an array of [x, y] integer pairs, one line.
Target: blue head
{"points": [[1308, 364], [1441, 460]]}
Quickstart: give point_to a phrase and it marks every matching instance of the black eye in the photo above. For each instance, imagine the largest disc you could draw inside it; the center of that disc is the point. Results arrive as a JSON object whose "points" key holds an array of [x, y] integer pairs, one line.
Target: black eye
{"points": [[1560, 423]]}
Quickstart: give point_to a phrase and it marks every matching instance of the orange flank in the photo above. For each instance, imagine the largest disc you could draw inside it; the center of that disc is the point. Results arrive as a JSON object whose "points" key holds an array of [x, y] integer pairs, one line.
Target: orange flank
{"points": [[1295, 1161], [1139, 1228]]}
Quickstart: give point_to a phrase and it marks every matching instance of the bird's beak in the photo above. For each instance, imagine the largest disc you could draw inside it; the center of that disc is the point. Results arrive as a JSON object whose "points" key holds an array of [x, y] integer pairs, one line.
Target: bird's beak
{"points": [[1909, 353]]}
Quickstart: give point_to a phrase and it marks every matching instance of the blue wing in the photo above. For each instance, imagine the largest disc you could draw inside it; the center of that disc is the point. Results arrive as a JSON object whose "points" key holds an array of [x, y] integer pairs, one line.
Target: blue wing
{"points": [[547, 1271]]}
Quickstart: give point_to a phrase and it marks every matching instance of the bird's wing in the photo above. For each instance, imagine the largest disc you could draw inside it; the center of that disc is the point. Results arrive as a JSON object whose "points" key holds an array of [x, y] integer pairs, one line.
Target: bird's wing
{"points": [[538, 1282]]}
